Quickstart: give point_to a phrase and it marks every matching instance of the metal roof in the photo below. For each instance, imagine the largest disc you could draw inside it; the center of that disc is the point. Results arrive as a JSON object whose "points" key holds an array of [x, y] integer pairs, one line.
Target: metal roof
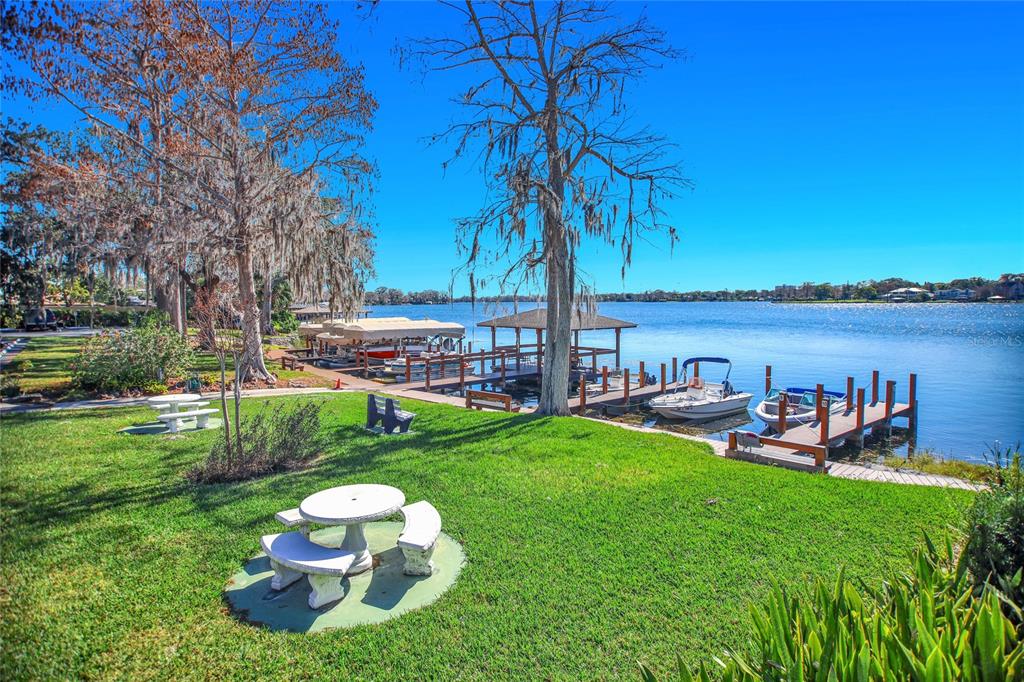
{"points": [[538, 319]]}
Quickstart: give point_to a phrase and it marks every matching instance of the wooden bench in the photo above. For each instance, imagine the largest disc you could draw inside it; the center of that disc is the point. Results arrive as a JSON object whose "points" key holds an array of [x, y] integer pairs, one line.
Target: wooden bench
{"points": [[422, 526], [173, 419], [292, 362], [293, 555], [291, 518], [492, 401]]}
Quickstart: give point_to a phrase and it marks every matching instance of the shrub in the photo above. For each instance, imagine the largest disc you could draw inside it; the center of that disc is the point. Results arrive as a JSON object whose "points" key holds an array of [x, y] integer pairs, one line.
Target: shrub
{"points": [[930, 624], [273, 440], [995, 529], [131, 359], [284, 321], [9, 386]]}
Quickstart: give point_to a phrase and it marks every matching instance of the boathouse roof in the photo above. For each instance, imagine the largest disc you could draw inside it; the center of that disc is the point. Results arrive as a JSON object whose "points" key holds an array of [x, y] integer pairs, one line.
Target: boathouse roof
{"points": [[538, 319]]}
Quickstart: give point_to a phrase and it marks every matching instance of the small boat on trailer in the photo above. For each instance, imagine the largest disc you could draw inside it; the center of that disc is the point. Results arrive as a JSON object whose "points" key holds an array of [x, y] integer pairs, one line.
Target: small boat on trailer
{"points": [[800, 408], [699, 399], [417, 364]]}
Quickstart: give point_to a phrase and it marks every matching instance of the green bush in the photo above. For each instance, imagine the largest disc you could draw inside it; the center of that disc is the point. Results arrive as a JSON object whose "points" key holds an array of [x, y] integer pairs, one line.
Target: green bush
{"points": [[273, 440], [284, 321], [930, 624], [995, 529], [132, 359], [9, 386], [21, 366]]}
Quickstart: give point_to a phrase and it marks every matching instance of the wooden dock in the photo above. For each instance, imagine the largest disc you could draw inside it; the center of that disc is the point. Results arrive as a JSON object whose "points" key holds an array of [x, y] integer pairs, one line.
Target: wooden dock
{"points": [[828, 428]]}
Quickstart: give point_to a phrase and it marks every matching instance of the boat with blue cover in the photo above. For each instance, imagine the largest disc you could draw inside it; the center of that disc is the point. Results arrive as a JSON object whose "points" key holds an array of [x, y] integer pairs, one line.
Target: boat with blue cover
{"points": [[799, 405]]}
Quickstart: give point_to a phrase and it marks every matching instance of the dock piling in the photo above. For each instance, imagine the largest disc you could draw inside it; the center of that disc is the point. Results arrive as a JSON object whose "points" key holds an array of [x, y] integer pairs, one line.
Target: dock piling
{"points": [[408, 369], [849, 394], [874, 387], [890, 400], [643, 375], [783, 410], [625, 384], [583, 393], [825, 412], [604, 379], [819, 398], [767, 378], [663, 386], [696, 369], [675, 370]]}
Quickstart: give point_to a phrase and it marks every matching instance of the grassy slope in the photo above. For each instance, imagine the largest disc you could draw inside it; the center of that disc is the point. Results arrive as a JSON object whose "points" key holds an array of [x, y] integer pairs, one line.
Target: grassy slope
{"points": [[588, 547]]}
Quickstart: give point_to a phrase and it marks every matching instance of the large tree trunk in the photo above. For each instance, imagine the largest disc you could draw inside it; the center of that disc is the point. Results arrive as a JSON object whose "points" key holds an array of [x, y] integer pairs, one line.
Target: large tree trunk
{"points": [[554, 386], [251, 365], [266, 324], [168, 299]]}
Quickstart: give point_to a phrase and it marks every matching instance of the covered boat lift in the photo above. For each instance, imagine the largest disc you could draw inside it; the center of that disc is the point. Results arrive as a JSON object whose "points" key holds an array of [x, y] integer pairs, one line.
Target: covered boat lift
{"points": [[537, 320]]}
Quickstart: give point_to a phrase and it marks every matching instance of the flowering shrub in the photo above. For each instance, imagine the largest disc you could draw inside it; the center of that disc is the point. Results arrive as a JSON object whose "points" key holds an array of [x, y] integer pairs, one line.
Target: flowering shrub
{"points": [[133, 359]]}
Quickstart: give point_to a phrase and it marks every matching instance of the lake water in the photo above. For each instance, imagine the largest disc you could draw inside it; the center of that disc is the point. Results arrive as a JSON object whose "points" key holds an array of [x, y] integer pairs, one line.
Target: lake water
{"points": [[969, 358]]}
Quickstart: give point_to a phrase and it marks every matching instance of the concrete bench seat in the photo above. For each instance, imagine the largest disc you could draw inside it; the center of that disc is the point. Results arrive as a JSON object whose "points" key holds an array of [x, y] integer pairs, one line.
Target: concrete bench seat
{"points": [[174, 419], [293, 555], [291, 518], [196, 404], [422, 526]]}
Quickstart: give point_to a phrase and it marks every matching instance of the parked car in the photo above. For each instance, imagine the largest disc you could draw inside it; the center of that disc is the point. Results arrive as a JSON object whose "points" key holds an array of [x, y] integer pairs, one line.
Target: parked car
{"points": [[135, 300], [39, 319]]}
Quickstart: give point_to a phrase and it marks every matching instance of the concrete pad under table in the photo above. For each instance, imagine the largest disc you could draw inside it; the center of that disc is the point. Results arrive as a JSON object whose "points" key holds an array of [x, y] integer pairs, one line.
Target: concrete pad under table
{"points": [[371, 597]]}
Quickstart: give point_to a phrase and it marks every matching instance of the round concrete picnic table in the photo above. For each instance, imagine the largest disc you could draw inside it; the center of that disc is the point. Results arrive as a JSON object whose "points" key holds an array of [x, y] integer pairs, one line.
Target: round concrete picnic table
{"points": [[352, 506], [173, 399]]}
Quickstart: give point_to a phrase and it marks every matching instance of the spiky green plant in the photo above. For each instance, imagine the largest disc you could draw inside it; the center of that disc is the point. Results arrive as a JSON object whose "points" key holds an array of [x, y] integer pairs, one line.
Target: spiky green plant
{"points": [[928, 624]]}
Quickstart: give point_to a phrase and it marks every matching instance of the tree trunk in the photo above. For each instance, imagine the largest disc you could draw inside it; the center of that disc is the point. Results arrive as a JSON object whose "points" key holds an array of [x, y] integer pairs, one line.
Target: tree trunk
{"points": [[251, 365], [266, 324], [168, 299]]}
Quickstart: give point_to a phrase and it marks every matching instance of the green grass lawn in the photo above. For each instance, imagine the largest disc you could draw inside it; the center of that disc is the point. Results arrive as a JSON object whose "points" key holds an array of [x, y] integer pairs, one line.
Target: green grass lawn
{"points": [[50, 375], [588, 547], [49, 356]]}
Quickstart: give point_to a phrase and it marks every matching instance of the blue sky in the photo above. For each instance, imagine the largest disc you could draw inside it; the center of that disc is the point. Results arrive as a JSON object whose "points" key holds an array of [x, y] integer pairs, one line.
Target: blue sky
{"points": [[827, 141]]}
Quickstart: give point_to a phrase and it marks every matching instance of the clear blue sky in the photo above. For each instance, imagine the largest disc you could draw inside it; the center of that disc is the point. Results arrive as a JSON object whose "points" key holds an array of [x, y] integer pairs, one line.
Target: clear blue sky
{"points": [[828, 141]]}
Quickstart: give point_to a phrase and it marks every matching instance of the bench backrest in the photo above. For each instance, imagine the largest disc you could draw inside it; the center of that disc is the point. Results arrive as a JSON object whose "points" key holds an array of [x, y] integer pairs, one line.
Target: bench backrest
{"points": [[480, 399]]}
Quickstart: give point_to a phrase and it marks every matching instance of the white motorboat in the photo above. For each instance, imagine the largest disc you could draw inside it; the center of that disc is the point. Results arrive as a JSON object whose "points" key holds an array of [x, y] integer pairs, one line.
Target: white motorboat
{"points": [[700, 399], [800, 407], [417, 365]]}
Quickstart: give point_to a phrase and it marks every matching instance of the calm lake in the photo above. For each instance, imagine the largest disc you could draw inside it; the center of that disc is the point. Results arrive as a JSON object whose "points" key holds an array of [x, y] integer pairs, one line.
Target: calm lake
{"points": [[969, 358]]}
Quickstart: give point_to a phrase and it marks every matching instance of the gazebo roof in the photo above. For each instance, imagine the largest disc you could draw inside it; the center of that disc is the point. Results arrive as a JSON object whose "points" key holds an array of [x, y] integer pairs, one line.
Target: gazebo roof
{"points": [[538, 319]]}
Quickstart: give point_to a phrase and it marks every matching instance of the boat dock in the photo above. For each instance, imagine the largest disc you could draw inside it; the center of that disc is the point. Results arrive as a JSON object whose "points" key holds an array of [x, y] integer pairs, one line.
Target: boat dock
{"points": [[806, 446]]}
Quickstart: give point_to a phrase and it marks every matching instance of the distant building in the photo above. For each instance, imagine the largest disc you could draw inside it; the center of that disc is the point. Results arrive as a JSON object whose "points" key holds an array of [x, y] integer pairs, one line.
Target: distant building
{"points": [[907, 294], [954, 295]]}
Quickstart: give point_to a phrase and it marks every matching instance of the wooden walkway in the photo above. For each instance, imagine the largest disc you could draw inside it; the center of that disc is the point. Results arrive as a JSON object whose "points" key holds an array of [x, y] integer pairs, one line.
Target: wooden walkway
{"points": [[618, 397], [452, 382]]}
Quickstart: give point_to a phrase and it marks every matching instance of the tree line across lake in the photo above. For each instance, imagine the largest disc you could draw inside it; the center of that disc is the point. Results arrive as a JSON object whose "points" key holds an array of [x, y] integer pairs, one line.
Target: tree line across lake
{"points": [[1009, 286]]}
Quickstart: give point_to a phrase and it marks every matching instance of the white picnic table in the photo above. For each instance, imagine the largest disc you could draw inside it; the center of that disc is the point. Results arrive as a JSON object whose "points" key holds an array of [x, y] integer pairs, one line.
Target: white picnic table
{"points": [[173, 400], [352, 506]]}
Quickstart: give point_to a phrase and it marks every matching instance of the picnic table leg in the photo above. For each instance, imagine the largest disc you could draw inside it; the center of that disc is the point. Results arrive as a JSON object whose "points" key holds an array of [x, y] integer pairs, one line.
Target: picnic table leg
{"points": [[355, 542]]}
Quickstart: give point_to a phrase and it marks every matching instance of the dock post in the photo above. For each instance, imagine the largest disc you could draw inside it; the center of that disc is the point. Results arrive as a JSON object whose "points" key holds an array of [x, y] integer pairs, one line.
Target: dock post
{"points": [[643, 375], [462, 372], [503, 367], [890, 399], [426, 373], [783, 410], [483, 368], [825, 412], [460, 346], [819, 398], [604, 379], [912, 416], [732, 440], [849, 394], [858, 435], [494, 338], [540, 345], [767, 378], [625, 383], [696, 369], [675, 370], [583, 393], [874, 387], [593, 360], [408, 369], [618, 347], [663, 388], [469, 347]]}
